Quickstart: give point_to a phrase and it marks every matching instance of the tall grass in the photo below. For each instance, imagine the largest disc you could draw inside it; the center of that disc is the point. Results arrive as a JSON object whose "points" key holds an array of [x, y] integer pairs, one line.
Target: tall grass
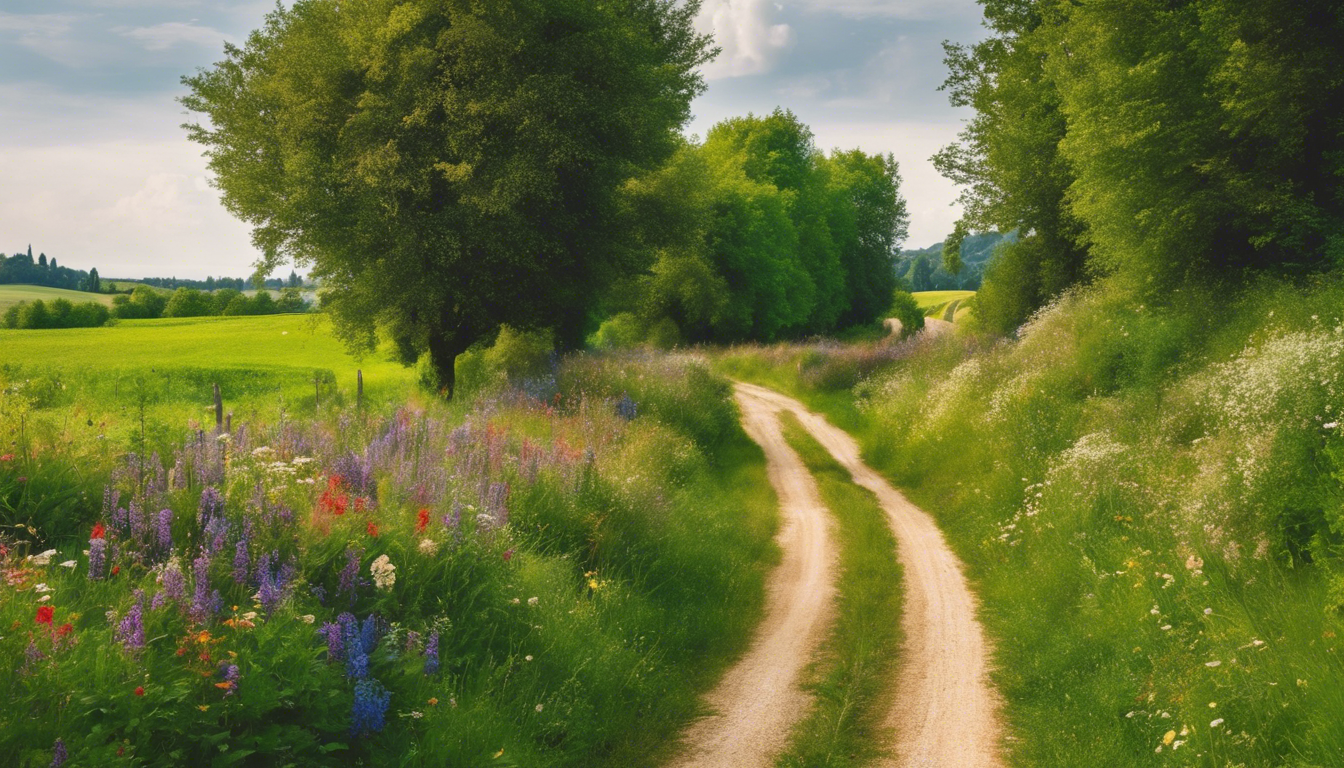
{"points": [[1149, 499]]}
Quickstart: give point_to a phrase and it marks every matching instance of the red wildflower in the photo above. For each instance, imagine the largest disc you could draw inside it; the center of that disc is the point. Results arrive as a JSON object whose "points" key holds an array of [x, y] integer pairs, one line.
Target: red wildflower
{"points": [[65, 629], [360, 504], [508, 555], [372, 529], [422, 520], [44, 615], [7, 457], [98, 532], [116, 569], [139, 690]]}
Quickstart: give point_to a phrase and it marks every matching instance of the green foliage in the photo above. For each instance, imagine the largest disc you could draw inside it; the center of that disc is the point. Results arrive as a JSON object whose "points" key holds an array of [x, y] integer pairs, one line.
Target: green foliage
{"points": [[476, 148], [757, 235], [905, 309], [1161, 143], [59, 313], [143, 303], [189, 302]]}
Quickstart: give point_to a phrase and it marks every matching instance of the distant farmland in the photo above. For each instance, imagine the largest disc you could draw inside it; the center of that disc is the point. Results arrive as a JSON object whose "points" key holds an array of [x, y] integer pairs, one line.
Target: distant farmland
{"points": [[14, 294]]}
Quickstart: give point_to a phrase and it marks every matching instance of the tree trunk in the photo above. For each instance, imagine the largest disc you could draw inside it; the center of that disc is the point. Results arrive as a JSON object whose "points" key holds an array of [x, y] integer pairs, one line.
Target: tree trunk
{"points": [[443, 351]]}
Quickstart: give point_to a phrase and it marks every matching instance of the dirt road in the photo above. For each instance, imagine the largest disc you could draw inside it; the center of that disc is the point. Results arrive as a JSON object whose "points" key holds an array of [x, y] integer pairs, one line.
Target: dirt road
{"points": [[945, 713], [759, 699]]}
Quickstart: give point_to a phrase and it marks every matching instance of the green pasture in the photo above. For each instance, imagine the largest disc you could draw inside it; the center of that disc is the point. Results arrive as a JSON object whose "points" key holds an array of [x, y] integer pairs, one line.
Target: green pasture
{"points": [[947, 305], [269, 362], [15, 294]]}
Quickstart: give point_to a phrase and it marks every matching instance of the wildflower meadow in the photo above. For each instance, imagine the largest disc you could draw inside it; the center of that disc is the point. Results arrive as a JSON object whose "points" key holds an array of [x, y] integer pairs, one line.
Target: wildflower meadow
{"points": [[544, 573]]}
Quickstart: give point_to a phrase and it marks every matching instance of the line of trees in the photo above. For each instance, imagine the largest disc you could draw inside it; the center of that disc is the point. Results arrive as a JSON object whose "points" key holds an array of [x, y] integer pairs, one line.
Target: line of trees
{"points": [[57, 313], [146, 303], [1151, 142], [22, 269]]}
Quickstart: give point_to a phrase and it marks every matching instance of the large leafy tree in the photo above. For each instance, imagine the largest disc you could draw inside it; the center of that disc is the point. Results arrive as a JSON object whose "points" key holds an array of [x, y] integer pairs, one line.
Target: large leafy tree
{"points": [[448, 166]]}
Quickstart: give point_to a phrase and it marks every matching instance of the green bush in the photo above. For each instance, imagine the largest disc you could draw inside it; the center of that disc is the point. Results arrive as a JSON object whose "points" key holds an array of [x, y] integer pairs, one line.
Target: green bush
{"points": [[905, 308]]}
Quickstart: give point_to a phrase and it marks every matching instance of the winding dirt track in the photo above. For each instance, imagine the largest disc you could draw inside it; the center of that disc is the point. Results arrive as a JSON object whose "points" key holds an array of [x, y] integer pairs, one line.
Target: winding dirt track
{"points": [[945, 713], [759, 699]]}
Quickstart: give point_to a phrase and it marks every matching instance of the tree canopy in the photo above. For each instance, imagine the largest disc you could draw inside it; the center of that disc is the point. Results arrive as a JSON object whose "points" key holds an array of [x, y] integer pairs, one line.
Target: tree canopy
{"points": [[1157, 142], [448, 166]]}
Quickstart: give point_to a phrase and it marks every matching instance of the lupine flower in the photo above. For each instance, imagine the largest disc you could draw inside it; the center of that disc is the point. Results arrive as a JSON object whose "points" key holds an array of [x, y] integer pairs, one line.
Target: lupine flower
{"points": [[335, 645], [173, 581], [231, 674], [164, 529], [370, 708], [97, 558], [215, 533], [131, 630], [432, 654], [58, 755], [200, 601], [626, 408], [240, 561], [212, 504], [350, 574]]}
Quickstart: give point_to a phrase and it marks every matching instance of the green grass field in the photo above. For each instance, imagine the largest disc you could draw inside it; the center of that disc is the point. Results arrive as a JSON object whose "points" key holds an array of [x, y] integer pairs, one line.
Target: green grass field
{"points": [[14, 294], [942, 303]]}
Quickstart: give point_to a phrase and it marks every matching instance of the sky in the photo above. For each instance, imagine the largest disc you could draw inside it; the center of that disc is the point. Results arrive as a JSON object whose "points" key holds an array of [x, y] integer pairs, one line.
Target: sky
{"points": [[97, 171]]}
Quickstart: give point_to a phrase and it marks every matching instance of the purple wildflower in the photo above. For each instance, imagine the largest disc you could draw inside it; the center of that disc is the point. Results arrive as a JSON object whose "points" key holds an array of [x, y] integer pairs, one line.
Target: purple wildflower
{"points": [[200, 601], [350, 574], [58, 755], [97, 559], [432, 654], [320, 592], [131, 630], [215, 534], [212, 504], [240, 562], [164, 529], [231, 674], [335, 645], [626, 408], [370, 708], [173, 581]]}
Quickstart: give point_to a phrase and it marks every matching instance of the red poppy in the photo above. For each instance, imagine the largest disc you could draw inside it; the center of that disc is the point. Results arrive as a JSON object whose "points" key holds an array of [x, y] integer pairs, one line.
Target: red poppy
{"points": [[116, 569], [65, 629], [422, 521], [98, 532], [44, 614], [372, 529], [139, 690]]}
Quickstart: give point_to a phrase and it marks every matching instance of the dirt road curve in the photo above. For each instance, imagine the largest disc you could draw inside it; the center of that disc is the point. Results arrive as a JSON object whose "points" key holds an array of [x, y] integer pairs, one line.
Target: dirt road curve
{"points": [[945, 713], [759, 699]]}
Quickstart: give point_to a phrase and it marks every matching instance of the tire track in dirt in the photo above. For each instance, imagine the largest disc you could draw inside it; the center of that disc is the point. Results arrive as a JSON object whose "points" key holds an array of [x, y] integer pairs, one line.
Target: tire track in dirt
{"points": [[945, 711], [759, 699]]}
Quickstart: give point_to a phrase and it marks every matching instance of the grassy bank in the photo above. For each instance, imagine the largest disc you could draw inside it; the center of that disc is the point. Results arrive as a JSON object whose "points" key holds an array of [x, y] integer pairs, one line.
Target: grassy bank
{"points": [[1149, 500], [858, 662], [521, 578]]}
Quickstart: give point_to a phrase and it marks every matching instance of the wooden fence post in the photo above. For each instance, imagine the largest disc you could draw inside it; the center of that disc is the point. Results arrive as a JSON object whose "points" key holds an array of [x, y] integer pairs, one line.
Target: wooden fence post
{"points": [[219, 410]]}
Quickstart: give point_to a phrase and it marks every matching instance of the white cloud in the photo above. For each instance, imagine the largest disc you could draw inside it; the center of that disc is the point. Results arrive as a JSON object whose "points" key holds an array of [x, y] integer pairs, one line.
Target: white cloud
{"points": [[163, 36], [746, 32], [898, 9], [129, 208]]}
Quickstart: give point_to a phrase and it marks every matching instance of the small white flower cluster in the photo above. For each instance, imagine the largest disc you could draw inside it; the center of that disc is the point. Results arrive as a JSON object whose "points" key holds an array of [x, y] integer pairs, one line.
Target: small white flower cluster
{"points": [[384, 573]]}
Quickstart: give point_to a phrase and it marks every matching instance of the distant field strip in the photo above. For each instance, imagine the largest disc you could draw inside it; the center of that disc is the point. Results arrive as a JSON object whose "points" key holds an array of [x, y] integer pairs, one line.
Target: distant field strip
{"points": [[14, 294]]}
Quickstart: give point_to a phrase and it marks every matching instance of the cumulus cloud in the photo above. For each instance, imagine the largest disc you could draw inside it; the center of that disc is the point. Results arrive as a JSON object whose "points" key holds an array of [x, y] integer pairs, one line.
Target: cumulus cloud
{"points": [[161, 37], [747, 32]]}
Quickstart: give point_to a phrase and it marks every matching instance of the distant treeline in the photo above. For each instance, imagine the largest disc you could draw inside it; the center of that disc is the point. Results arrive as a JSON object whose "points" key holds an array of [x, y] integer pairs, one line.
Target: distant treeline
{"points": [[218, 283], [923, 270], [23, 269], [146, 303]]}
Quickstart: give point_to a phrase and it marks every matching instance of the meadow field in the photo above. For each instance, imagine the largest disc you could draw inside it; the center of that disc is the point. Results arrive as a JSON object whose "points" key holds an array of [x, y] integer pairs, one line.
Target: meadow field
{"points": [[543, 572], [16, 294], [1148, 498]]}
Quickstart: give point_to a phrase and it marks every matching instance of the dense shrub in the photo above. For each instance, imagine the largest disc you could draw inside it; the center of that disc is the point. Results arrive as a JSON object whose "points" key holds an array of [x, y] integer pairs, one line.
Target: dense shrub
{"points": [[905, 309], [58, 313]]}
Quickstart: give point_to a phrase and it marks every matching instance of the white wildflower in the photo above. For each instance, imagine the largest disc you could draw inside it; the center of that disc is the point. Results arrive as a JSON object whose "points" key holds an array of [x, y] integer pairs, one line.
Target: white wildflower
{"points": [[1216, 723], [383, 572], [69, 564], [532, 601], [1212, 664], [42, 558], [308, 618], [428, 547]]}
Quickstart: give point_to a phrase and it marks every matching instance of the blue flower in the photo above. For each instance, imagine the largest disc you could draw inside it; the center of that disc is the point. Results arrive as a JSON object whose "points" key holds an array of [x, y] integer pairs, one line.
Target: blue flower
{"points": [[370, 710]]}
